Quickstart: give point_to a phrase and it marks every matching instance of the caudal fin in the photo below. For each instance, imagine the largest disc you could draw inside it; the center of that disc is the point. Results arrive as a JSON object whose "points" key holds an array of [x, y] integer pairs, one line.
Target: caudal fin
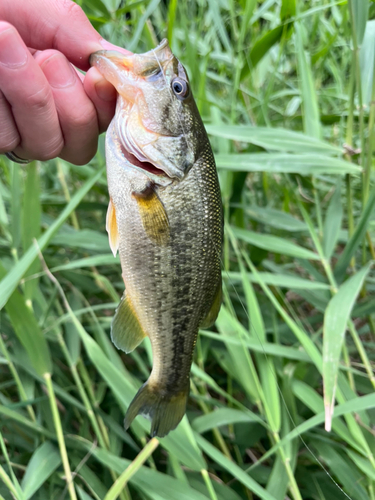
{"points": [[164, 411]]}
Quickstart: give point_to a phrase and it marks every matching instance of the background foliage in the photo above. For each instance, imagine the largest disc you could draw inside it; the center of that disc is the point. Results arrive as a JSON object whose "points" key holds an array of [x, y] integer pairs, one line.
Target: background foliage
{"points": [[286, 91]]}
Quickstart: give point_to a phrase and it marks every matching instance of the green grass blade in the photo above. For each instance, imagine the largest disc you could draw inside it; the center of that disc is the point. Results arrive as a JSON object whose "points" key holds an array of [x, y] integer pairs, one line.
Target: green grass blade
{"points": [[332, 223], [282, 280], [356, 239], [275, 139], [311, 119], [152, 5], [336, 317], [121, 482], [360, 10], [220, 417], [42, 464], [354, 405], [303, 164], [367, 62], [339, 464], [233, 469], [9, 283], [16, 188], [274, 244], [31, 222], [28, 331]]}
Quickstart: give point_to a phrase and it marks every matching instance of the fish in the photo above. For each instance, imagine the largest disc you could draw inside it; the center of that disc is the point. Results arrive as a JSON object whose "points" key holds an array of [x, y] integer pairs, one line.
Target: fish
{"points": [[165, 219]]}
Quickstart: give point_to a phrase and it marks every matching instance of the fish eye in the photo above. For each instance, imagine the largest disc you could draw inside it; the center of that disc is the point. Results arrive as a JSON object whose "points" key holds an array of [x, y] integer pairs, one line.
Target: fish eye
{"points": [[180, 88]]}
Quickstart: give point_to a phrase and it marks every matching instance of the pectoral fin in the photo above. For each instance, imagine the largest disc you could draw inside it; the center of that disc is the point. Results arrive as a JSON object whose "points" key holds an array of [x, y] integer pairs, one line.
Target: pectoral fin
{"points": [[153, 215], [111, 227], [210, 319], [126, 331]]}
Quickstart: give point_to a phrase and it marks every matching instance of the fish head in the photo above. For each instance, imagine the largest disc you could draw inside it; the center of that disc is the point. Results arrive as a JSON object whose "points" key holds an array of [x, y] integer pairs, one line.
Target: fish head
{"points": [[156, 119]]}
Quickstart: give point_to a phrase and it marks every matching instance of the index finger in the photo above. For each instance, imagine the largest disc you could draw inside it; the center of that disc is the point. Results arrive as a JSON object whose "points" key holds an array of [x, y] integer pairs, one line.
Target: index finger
{"points": [[60, 25]]}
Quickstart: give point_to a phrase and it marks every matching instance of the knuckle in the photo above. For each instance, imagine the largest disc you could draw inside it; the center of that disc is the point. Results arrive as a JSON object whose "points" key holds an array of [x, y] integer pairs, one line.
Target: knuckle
{"points": [[4, 26], [72, 9], [51, 151], [9, 137], [39, 101], [42, 55], [8, 142], [83, 119]]}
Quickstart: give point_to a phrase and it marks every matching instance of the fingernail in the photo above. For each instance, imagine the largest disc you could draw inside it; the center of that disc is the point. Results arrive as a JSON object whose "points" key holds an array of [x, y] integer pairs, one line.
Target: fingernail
{"points": [[12, 53], [105, 90], [109, 46], [59, 72]]}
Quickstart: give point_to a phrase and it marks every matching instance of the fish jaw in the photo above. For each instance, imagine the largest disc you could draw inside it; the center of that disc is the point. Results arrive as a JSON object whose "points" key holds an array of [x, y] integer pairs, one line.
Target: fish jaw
{"points": [[117, 69], [143, 84], [127, 161]]}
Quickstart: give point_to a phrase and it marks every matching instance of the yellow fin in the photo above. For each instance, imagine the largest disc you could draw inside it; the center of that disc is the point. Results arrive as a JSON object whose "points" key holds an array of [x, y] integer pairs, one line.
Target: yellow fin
{"points": [[111, 227], [126, 331], [164, 410], [154, 218], [210, 319]]}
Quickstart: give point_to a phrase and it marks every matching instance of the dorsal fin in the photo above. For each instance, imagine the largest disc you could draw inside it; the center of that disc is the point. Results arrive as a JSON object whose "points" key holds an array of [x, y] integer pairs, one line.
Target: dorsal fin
{"points": [[111, 227], [153, 215], [126, 331]]}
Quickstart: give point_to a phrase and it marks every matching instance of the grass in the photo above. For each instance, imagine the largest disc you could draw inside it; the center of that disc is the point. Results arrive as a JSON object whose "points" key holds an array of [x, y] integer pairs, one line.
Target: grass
{"points": [[286, 90]]}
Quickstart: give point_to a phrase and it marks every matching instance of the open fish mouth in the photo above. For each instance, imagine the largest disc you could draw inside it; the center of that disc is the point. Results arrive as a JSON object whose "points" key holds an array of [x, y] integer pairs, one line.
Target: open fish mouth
{"points": [[144, 165]]}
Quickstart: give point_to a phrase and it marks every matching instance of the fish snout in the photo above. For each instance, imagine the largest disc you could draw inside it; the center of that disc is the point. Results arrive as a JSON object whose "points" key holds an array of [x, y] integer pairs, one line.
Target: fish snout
{"points": [[116, 67]]}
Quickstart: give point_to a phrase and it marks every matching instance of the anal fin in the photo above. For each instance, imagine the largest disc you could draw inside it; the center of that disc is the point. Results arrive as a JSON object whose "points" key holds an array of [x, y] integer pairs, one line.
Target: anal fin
{"points": [[153, 215], [111, 227], [210, 319], [126, 331]]}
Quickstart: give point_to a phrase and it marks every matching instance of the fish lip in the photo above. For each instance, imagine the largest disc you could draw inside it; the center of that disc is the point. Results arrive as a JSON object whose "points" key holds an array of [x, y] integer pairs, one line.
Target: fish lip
{"points": [[131, 150], [116, 67], [177, 176], [111, 56], [162, 179]]}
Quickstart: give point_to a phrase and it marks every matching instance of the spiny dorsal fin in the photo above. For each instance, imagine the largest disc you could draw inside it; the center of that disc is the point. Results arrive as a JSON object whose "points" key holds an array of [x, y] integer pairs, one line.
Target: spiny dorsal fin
{"points": [[111, 227], [153, 215], [210, 319], [126, 331]]}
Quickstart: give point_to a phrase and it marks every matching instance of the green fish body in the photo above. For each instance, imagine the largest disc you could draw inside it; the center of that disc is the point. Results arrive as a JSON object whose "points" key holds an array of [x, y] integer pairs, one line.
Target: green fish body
{"points": [[165, 219]]}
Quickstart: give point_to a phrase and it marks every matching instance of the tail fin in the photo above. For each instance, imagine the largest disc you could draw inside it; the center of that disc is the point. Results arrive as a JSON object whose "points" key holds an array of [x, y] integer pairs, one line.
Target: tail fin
{"points": [[164, 411]]}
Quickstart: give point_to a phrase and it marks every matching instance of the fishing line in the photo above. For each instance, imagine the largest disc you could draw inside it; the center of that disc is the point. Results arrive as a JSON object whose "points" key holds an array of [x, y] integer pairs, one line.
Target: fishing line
{"points": [[248, 316]]}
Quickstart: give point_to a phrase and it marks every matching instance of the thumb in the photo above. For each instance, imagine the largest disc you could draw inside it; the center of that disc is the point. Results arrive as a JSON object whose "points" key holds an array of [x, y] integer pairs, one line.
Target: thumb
{"points": [[58, 24]]}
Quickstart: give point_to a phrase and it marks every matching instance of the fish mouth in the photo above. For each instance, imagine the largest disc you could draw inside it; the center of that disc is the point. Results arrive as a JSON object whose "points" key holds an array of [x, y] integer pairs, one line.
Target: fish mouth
{"points": [[144, 165], [117, 69]]}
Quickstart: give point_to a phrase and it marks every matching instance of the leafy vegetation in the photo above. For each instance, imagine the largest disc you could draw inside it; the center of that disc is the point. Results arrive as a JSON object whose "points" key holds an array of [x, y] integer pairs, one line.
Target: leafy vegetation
{"points": [[287, 92]]}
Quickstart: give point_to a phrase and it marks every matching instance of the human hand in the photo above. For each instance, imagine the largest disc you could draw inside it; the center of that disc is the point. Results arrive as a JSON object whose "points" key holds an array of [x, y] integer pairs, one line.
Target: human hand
{"points": [[47, 107]]}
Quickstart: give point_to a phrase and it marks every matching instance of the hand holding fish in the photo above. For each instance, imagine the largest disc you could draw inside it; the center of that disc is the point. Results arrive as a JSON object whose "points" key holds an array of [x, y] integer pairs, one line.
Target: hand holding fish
{"points": [[47, 108]]}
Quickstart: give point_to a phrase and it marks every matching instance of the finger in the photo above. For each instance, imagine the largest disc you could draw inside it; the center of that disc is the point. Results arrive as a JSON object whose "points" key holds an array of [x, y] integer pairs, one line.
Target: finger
{"points": [[9, 136], [103, 95], [27, 91], [36, 53], [59, 25], [76, 112]]}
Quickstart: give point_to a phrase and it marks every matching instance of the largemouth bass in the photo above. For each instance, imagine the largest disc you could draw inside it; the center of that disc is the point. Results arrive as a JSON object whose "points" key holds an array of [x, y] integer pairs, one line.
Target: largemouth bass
{"points": [[165, 219]]}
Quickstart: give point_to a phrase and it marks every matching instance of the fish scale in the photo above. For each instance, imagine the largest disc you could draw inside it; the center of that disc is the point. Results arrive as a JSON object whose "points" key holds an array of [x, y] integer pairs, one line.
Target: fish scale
{"points": [[165, 219]]}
